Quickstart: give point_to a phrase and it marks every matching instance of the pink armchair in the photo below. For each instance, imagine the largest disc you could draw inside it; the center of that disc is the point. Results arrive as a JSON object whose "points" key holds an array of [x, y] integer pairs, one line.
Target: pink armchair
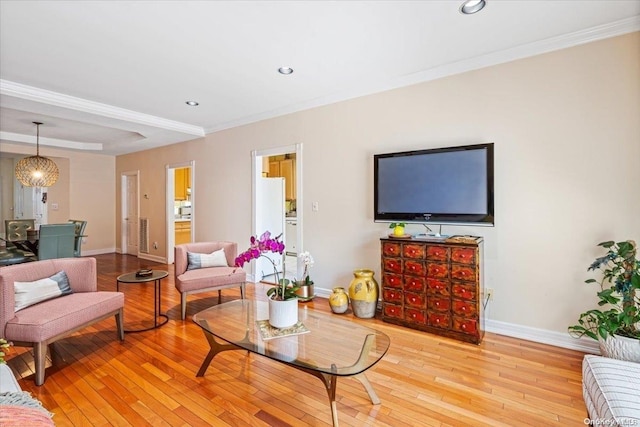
{"points": [[209, 278], [41, 324]]}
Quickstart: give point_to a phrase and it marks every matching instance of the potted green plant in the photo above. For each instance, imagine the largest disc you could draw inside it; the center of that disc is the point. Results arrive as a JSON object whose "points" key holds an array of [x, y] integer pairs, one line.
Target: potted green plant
{"points": [[616, 325], [283, 300], [398, 228]]}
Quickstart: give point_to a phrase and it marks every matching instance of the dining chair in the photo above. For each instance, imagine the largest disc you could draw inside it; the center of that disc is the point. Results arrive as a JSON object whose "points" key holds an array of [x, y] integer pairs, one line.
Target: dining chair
{"points": [[79, 235], [16, 229], [56, 241]]}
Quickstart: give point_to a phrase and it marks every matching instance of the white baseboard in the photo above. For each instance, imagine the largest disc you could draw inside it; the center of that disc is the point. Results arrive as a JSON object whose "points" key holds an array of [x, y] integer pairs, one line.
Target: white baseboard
{"points": [[558, 339], [155, 258], [543, 336], [98, 251]]}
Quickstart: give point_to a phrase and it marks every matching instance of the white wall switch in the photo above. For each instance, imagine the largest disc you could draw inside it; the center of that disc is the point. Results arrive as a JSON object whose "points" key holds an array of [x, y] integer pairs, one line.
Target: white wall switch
{"points": [[314, 206], [54, 206]]}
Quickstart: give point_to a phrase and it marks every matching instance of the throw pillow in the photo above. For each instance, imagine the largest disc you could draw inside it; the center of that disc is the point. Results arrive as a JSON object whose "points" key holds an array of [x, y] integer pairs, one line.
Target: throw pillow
{"points": [[214, 259], [30, 293]]}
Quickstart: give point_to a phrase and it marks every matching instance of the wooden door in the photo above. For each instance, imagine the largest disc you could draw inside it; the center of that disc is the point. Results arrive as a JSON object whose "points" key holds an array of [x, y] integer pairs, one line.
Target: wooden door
{"points": [[131, 215], [180, 185], [288, 172]]}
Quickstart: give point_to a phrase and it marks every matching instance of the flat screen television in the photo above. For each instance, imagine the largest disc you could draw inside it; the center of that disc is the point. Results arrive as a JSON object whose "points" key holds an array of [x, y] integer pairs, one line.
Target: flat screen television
{"points": [[452, 185]]}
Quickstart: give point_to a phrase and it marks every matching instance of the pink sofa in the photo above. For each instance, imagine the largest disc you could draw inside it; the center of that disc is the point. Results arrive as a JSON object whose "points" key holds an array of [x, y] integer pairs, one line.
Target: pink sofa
{"points": [[210, 278], [41, 324]]}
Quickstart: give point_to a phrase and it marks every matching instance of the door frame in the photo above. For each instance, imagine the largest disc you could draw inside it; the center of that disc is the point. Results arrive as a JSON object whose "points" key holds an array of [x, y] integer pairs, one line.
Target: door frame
{"points": [[256, 172], [170, 197], [124, 205]]}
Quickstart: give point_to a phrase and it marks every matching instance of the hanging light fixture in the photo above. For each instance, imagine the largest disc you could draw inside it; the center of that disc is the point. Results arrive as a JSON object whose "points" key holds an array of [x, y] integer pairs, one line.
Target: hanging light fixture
{"points": [[37, 171]]}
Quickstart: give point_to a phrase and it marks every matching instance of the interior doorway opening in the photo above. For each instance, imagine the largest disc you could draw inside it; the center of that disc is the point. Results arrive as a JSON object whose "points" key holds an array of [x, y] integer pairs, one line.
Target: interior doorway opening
{"points": [[180, 213], [129, 185], [278, 211]]}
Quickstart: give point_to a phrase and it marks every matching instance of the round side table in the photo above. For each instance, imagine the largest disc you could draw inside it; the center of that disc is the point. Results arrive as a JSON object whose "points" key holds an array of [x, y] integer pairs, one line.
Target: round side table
{"points": [[155, 277]]}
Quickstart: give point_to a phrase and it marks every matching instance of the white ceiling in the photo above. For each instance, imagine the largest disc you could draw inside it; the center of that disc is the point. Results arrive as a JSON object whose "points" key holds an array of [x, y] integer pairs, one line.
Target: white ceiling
{"points": [[113, 76]]}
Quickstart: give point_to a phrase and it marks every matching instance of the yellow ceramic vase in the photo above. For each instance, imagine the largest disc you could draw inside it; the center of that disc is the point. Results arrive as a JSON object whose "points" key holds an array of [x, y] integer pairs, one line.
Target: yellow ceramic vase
{"points": [[339, 301], [363, 292]]}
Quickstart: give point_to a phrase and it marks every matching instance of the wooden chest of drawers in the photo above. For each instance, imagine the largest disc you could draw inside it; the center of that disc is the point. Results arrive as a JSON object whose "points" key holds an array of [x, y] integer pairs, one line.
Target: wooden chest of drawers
{"points": [[436, 287]]}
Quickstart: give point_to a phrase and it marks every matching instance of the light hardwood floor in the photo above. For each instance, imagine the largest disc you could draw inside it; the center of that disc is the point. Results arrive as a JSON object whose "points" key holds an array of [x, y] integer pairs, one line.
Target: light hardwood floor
{"points": [[424, 380]]}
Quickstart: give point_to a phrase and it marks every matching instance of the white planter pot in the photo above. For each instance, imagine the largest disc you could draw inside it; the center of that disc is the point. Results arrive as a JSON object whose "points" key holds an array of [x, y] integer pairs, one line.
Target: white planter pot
{"points": [[621, 348], [283, 314], [8, 381]]}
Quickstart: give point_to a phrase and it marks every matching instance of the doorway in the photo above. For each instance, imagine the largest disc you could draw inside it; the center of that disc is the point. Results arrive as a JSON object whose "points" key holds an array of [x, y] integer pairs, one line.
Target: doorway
{"points": [[18, 201], [129, 188], [282, 162], [180, 178]]}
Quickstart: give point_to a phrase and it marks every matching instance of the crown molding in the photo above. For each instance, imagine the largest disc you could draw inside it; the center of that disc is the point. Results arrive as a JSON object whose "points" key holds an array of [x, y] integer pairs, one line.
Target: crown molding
{"points": [[18, 90], [51, 142], [588, 35]]}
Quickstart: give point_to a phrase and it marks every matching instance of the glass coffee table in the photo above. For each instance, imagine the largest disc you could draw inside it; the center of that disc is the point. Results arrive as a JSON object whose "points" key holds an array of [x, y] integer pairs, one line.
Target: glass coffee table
{"points": [[333, 347]]}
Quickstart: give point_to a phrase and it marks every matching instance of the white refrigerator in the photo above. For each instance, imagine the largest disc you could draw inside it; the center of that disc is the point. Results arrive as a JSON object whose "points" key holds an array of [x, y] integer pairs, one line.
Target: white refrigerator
{"points": [[270, 216]]}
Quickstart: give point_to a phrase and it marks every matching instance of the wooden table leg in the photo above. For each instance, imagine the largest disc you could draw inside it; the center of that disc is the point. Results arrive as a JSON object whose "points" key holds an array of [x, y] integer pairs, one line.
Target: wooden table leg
{"points": [[216, 348], [367, 386]]}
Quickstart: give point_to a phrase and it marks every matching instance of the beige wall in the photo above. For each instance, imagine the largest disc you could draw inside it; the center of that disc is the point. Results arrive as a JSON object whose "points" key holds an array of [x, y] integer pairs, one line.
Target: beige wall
{"points": [[567, 137], [85, 190], [6, 190]]}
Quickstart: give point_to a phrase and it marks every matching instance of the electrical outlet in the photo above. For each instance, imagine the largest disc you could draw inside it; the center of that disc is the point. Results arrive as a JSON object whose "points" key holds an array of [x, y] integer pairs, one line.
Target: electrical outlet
{"points": [[489, 294]]}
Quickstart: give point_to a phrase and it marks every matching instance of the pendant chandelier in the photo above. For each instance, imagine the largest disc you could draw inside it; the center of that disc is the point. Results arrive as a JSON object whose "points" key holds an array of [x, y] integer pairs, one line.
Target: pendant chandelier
{"points": [[37, 171]]}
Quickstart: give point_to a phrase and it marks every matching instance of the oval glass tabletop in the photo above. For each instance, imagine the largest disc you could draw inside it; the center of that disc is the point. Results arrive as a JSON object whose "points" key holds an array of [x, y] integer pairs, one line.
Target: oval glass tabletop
{"points": [[133, 278], [330, 344]]}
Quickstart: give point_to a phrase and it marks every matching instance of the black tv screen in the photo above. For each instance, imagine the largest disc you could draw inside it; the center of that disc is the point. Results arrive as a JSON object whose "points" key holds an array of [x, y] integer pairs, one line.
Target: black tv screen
{"points": [[452, 185]]}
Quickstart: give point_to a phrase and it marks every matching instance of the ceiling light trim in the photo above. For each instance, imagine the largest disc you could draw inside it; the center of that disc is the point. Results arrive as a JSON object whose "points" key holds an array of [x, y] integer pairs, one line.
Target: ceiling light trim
{"points": [[470, 7], [613, 29], [285, 71], [50, 142], [18, 90]]}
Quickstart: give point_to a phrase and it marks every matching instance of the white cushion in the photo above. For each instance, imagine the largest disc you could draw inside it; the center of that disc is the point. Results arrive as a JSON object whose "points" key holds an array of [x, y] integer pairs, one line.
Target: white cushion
{"points": [[214, 259], [30, 293], [611, 390]]}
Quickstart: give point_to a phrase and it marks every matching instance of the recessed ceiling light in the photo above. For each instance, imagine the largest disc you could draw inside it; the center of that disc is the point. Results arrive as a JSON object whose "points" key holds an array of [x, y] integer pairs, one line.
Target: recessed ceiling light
{"points": [[285, 70], [472, 6], [192, 103]]}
